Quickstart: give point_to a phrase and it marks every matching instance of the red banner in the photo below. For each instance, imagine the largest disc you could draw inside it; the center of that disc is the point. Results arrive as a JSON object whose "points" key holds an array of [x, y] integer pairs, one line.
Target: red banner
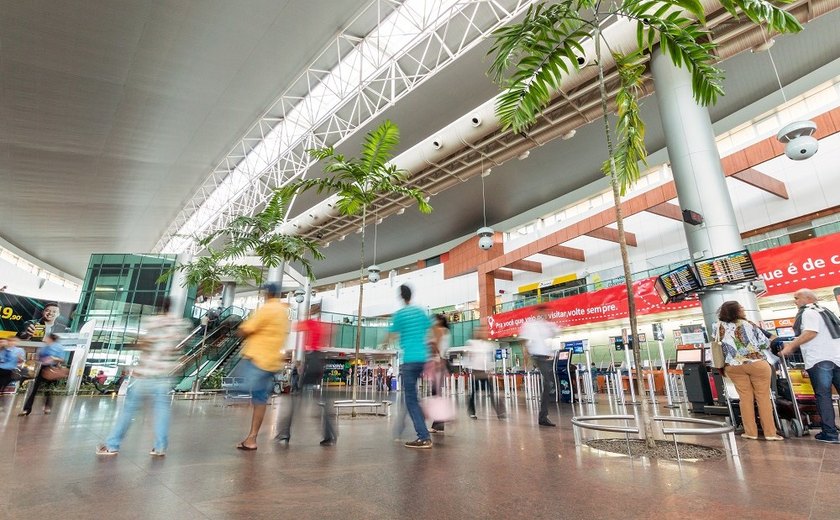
{"points": [[809, 264]]}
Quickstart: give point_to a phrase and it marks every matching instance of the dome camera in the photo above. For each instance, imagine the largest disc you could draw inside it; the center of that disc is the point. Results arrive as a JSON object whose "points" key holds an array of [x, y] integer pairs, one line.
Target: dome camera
{"points": [[801, 148], [299, 294], [485, 240], [799, 140], [373, 273]]}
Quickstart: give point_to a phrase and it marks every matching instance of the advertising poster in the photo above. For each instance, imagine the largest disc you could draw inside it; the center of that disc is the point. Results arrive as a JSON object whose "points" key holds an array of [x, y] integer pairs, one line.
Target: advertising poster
{"points": [[30, 319]]}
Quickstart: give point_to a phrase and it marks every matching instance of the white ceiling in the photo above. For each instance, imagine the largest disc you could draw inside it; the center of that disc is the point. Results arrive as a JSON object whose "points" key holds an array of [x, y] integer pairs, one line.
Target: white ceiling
{"points": [[112, 113]]}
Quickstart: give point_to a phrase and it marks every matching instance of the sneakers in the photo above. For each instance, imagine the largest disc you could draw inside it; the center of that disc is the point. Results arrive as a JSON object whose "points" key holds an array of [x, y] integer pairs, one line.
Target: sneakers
{"points": [[156, 453], [327, 442], [103, 450], [473, 416], [420, 444], [822, 437]]}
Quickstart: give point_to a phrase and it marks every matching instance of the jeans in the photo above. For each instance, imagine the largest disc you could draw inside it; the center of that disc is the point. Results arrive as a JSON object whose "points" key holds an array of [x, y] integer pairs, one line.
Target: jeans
{"points": [[411, 373], [158, 390], [284, 421], [546, 367], [823, 375]]}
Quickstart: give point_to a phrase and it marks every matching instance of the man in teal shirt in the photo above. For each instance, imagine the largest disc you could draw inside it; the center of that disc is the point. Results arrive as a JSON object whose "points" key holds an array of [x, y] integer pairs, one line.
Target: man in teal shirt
{"points": [[412, 325]]}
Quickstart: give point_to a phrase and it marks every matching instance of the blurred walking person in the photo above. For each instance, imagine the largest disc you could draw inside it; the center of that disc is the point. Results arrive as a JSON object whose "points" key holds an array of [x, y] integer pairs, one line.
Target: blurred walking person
{"points": [[265, 335], [481, 358], [152, 379], [50, 355], [411, 325], [315, 339], [440, 343], [537, 333], [11, 357]]}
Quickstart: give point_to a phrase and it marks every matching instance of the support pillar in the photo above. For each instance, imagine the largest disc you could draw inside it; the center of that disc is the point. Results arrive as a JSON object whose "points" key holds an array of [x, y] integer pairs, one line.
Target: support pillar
{"points": [[178, 289], [303, 314], [275, 274], [486, 295], [699, 179], [228, 294]]}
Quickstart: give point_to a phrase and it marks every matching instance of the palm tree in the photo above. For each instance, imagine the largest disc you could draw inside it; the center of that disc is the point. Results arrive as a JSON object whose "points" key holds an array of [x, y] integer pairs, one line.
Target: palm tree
{"points": [[259, 235], [531, 59], [359, 182]]}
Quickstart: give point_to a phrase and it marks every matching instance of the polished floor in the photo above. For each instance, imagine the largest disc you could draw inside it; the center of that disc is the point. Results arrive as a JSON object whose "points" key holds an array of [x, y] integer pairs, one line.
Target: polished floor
{"points": [[478, 469]]}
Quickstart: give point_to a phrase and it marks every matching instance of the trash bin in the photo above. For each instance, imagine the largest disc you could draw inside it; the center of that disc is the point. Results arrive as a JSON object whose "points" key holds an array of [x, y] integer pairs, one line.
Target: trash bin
{"points": [[393, 384]]}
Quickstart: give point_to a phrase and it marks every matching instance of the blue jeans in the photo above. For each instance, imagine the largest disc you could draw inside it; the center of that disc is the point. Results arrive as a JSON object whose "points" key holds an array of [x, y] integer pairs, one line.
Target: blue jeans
{"points": [[157, 389], [823, 375], [411, 372]]}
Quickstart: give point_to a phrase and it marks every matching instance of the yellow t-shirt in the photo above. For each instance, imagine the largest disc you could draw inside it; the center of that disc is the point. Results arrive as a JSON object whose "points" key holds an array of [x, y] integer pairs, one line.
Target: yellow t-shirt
{"points": [[266, 331]]}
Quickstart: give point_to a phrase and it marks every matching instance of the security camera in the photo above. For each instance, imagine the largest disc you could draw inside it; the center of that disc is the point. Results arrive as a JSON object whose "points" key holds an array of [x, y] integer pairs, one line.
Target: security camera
{"points": [[799, 141], [485, 240], [299, 295], [373, 273]]}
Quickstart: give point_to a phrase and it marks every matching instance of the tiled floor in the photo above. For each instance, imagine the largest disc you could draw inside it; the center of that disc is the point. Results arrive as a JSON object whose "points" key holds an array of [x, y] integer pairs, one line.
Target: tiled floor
{"points": [[479, 469]]}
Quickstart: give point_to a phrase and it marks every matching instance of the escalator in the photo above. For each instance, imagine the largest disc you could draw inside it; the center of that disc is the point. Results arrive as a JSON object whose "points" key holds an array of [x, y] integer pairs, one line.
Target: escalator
{"points": [[204, 355]]}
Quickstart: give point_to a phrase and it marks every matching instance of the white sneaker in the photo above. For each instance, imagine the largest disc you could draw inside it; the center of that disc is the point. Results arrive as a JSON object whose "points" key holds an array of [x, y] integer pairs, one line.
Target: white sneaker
{"points": [[156, 453]]}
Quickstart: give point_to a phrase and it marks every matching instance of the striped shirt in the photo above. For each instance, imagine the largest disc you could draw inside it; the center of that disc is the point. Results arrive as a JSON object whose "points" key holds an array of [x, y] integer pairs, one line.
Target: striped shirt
{"points": [[161, 335], [412, 324]]}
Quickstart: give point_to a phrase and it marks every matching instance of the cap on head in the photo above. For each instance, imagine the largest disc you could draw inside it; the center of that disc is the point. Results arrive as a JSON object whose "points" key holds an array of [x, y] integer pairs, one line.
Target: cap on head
{"points": [[271, 290]]}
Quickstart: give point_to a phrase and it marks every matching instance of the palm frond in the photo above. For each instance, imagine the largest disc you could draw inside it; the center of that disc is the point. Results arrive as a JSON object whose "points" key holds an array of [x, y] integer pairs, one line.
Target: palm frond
{"points": [[541, 50], [765, 12], [630, 148], [376, 150], [682, 39]]}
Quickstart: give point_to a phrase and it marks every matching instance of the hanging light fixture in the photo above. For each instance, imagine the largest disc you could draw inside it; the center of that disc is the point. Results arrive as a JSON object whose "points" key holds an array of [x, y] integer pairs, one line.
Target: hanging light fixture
{"points": [[485, 234], [798, 137], [374, 270]]}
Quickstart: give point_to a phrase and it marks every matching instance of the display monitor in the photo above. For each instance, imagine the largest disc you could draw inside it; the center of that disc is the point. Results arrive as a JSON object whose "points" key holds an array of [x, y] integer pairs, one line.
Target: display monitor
{"points": [[690, 355], [677, 283], [730, 268], [785, 332]]}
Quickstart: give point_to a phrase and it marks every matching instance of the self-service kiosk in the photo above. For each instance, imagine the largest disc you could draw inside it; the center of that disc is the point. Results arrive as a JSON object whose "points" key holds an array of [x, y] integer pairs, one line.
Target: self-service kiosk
{"points": [[696, 378]]}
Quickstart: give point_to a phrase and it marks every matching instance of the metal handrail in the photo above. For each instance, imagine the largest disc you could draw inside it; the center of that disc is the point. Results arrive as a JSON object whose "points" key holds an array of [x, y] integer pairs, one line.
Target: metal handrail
{"points": [[584, 422], [719, 427]]}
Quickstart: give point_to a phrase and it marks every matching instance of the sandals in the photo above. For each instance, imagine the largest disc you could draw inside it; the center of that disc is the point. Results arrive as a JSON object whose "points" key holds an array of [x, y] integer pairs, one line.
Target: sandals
{"points": [[241, 446]]}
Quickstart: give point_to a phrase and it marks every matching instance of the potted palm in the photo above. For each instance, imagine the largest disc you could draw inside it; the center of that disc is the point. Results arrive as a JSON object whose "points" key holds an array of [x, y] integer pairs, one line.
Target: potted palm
{"points": [[358, 182], [531, 58]]}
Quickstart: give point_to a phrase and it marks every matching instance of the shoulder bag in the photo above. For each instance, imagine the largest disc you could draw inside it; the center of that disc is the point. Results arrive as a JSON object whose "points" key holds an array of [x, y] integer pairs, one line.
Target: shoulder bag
{"points": [[55, 372], [718, 357]]}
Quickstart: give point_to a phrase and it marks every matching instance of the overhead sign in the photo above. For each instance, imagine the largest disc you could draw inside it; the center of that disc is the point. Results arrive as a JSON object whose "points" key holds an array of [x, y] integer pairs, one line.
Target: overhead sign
{"points": [[501, 353], [730, 268], [677, 283]]}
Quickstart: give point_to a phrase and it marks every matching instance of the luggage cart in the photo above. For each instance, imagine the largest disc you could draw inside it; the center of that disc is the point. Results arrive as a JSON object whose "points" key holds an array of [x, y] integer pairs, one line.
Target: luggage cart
{"points": [[793, 385]]}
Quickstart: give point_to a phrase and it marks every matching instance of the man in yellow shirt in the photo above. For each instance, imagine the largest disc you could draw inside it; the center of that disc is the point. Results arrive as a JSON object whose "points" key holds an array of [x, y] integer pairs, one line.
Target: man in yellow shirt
{"points": [[265, 335]]}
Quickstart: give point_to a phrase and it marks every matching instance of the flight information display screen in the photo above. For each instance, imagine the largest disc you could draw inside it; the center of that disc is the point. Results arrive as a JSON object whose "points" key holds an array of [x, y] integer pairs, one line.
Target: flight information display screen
{"points": [[731, 268], [677, 283]]}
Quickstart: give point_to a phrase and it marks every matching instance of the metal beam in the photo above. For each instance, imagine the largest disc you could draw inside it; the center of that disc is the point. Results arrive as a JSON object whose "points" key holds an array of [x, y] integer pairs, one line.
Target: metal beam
{"points": [[608, 233], [503, 274], [667, 210], [414, 40], [762, 181], [525, 265], [569, 253]]}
